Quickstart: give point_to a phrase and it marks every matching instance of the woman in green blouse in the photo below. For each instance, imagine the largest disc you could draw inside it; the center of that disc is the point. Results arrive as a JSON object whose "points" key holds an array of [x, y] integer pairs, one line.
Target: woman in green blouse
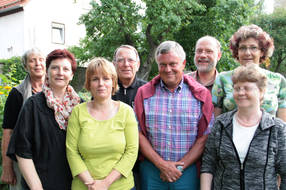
{"points": [[251, 45], [102, 134]]}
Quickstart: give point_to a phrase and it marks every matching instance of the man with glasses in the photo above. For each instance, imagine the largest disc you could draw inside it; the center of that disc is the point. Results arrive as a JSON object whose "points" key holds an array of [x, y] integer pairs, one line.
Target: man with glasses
{"points": [[207, 54], [127, 63]]}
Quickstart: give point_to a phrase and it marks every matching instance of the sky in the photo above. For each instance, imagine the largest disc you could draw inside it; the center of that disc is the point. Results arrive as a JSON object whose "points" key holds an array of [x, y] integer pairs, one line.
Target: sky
{"points": [[268, 6]]}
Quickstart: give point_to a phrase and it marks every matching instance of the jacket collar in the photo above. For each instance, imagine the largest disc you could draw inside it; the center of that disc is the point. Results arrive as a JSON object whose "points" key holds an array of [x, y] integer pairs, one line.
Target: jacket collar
{"points": [[133, 84], [266, 122]]}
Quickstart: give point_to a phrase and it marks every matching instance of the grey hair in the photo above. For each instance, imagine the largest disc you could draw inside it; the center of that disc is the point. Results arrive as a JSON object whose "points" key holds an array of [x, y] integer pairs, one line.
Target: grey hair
{"points": [[218, 45], [128, 47], [167, 46], [25, 56]]}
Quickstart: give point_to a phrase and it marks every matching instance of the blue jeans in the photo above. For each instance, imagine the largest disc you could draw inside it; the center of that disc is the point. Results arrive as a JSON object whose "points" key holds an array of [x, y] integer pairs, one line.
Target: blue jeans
{"points": [[150, 178]]}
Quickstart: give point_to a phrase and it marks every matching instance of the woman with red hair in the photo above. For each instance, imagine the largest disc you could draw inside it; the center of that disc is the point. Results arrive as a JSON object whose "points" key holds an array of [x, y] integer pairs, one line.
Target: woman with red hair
{"points": [[38, 141]]}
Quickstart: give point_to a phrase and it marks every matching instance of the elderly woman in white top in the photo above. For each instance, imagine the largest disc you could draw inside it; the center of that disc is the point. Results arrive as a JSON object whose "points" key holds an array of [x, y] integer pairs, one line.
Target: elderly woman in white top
{"points": [[247, 146]]}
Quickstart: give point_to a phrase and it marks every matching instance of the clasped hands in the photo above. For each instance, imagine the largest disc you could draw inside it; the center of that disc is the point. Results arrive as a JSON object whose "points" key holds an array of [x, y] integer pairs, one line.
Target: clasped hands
{"points": [[170, 172], [97, 185]]}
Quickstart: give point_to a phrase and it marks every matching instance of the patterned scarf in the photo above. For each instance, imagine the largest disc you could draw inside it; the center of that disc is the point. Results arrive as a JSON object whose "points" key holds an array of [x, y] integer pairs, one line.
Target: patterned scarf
{"points": [[62, 109]]}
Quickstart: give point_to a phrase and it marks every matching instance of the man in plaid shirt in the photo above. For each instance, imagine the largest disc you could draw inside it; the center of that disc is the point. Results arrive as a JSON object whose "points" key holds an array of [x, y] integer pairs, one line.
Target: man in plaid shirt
{"points": [[175, 114]]}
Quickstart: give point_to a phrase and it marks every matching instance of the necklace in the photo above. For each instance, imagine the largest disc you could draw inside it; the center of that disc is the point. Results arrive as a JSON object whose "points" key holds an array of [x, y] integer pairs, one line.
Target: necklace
{"points": [[35, 91], [247, 124]]}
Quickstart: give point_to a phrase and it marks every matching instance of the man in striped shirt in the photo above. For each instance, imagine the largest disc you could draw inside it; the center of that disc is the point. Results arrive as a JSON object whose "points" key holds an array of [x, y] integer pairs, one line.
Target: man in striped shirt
{"points": [[175, 114]]}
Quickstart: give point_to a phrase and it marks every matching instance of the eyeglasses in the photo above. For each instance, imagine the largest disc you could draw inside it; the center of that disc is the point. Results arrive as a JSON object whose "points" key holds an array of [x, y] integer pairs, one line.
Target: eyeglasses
{"points": [[244, 88], [129, 60], [252, 49], [200, 51]]}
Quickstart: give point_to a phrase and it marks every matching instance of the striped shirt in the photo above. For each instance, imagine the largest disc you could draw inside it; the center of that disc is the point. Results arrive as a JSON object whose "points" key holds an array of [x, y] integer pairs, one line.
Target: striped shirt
{"points": [[171, 121]]}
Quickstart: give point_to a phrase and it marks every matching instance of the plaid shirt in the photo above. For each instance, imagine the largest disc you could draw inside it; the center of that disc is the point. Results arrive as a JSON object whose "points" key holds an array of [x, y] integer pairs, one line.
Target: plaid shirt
{"points": [[172, 120]]}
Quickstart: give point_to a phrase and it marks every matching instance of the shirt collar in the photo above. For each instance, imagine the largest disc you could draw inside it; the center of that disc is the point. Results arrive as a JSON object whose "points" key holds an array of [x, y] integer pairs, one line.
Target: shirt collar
{"points": [[210, 83], [133, 84], [177, 89]]}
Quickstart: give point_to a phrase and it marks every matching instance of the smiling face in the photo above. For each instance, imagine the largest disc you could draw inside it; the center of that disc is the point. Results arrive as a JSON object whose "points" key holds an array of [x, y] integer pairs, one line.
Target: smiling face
{"points": [[247, 95], [171, 69], [60, 73], [249, 51], [126, 63], [36, 65], [207, 55]]}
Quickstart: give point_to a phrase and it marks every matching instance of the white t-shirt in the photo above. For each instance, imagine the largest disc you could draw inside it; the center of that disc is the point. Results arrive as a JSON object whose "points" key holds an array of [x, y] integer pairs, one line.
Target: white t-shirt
{"points": [[242, 137]]}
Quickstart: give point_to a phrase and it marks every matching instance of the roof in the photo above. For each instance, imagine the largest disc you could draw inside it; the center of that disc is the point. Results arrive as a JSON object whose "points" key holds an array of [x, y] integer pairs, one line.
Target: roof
{"points": [[10, 4]]}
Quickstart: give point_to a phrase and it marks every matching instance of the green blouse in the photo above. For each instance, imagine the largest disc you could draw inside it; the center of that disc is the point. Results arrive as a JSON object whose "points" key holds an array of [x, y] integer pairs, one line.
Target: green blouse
{"points": [[274, 97], [100, 146]]}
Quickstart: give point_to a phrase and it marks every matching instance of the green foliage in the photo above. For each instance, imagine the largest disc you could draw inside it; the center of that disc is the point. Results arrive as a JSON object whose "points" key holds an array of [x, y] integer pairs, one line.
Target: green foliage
{"points": [[109, 24], [112, 23], [13, 73], [84, 95], [13, 69], [275, 25], [5, 87], [221, 19]]}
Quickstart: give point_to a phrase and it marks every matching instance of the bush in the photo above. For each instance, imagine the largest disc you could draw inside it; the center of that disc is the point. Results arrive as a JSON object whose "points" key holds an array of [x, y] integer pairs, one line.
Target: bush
{"points": [[13, 69], [13, 74], [5, 87]]}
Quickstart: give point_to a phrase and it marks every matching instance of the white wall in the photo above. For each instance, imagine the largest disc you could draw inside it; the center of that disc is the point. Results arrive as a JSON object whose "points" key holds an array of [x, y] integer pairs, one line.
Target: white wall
{"points": [[36, 22], [11, 35]]}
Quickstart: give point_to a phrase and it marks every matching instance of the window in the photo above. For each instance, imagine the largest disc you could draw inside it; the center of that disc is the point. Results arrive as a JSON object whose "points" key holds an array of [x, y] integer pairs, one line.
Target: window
{"points": [[58, 33]]}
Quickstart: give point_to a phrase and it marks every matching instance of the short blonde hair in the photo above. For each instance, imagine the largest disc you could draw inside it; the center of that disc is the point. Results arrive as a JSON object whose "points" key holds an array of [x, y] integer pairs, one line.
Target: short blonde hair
{"points": [[250, 73], [104, 66]]}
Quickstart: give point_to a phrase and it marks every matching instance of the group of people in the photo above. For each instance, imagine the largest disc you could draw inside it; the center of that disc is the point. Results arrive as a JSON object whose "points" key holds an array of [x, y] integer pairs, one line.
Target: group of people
{"points": [[200, 130]]}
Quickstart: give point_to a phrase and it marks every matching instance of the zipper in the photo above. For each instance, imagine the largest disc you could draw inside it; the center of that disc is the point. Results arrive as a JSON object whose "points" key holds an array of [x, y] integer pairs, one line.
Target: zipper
{"points": [[241, 165], [124, 91]]}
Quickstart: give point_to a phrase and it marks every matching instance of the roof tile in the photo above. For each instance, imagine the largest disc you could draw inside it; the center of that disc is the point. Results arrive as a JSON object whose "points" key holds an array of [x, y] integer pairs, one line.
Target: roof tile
{"points": [[11, 3]]}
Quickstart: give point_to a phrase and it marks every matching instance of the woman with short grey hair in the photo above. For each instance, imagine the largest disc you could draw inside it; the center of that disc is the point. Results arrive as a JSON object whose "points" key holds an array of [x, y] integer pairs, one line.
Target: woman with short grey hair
{"points": [[33, 61]]}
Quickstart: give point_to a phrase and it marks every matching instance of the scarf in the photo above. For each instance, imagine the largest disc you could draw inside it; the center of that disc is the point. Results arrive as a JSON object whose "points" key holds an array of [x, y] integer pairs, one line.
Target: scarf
{"points": [[62, 109], [25, 88]]}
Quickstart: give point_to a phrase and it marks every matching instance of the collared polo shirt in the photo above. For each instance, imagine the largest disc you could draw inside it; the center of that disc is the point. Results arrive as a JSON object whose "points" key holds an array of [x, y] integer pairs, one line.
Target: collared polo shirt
{"points": [[209, 86], [171, 121]]}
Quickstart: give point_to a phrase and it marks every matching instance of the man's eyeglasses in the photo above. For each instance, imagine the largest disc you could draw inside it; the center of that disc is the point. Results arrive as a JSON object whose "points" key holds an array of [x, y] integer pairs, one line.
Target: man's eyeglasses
{"points": [[122, 60]]}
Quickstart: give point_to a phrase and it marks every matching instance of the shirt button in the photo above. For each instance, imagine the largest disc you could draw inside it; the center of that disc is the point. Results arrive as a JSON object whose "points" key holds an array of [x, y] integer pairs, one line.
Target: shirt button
{"points": [[169, 126]]}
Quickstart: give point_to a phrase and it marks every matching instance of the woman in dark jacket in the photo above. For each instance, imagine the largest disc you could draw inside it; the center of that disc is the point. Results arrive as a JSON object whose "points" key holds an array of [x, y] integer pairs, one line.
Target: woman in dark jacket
{"points": [[33, 62], [38, 140], [247, 147]]}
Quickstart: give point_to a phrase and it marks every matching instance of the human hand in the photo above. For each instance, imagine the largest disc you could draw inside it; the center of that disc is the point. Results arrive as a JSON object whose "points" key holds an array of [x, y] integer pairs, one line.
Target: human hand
{"points": [[97, 185], [169, 171], [101, 185], [8, 175], [90, 185]]}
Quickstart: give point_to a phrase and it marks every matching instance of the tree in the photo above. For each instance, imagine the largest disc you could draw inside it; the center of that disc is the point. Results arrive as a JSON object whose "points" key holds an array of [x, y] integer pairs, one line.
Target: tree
{"points": [[220, 20], [275, 25], [112, 23]]}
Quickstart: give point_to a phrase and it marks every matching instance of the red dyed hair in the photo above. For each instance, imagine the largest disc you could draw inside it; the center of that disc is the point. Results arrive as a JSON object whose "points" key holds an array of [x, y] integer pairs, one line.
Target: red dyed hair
{"points": [[61, 54]]}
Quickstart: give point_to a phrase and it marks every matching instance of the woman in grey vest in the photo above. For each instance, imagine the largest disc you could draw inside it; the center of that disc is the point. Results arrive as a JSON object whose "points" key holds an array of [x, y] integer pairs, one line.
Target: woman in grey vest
{"points": [[33, 61]]}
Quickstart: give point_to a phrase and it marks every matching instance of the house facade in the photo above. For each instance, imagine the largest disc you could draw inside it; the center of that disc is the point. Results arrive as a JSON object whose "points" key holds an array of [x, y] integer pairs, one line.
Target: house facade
{"points": [[46, 24]]}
